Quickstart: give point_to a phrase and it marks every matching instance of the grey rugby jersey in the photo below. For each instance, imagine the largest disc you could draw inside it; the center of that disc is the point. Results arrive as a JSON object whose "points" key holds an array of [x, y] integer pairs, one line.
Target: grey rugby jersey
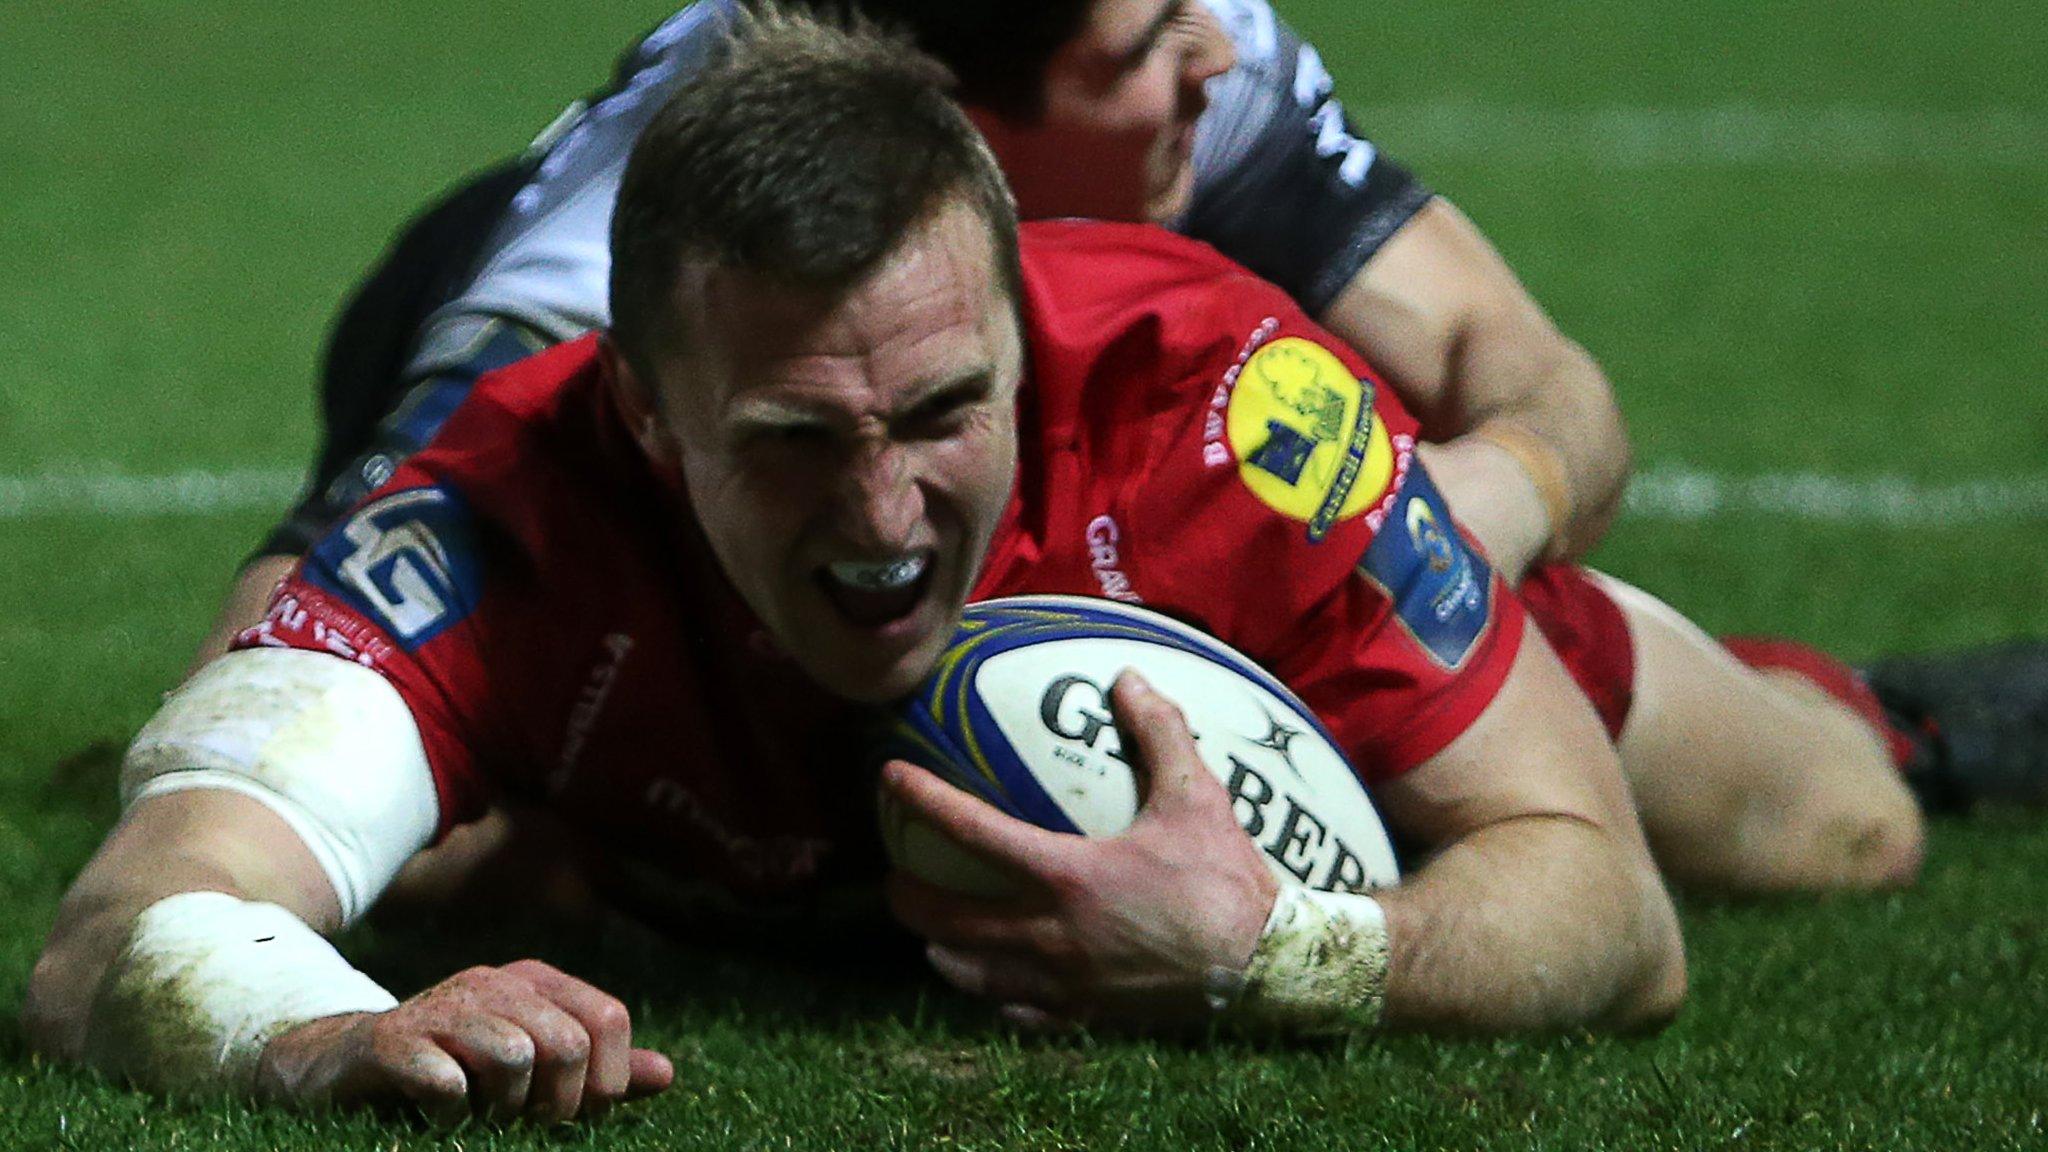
{"points": [[1282, 183]]}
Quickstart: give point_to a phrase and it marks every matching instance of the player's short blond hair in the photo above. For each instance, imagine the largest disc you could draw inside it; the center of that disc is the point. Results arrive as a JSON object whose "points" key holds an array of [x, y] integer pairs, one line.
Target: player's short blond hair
{"points": [[805, 153]]}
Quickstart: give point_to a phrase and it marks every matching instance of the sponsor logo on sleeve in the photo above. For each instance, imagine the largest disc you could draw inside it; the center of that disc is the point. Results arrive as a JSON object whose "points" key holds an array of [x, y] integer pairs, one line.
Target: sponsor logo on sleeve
{"points": [[1307, 443], [1441, 590], [407, 562], [1313, 91]]}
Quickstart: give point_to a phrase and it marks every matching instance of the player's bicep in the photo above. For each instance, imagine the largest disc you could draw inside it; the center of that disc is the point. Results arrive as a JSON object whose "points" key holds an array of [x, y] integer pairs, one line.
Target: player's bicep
{"points": [[1413, 306]]}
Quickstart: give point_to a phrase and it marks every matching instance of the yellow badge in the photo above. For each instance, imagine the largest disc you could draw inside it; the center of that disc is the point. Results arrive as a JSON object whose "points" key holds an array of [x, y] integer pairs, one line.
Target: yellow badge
{"points": [[1306, 439]]}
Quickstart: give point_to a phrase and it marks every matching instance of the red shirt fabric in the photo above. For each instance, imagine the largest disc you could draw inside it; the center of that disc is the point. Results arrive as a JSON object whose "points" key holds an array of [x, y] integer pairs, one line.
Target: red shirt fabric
{"points": [[547, 606]]}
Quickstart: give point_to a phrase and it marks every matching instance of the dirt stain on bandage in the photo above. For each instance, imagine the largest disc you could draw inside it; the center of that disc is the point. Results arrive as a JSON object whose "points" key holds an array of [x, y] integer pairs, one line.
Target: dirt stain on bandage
{"points": [[1320, 966], [146, 1027]]}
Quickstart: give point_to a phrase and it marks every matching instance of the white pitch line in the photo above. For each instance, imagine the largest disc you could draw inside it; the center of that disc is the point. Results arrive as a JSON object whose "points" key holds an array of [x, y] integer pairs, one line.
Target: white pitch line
{"points": [[121, 496], [1683, 495], [1623, 136], [1666, 493]]}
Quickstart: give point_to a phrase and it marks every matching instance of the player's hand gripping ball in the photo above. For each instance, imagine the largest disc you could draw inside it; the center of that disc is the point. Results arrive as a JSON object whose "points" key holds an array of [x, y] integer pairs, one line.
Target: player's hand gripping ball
{"points": [[1017, 713]]}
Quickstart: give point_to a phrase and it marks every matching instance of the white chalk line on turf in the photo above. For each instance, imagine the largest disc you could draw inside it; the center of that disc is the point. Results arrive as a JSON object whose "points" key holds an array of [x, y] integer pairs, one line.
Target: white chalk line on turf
{"points": [[1625, 136], [1677, 494], [1668, 493], [122, 496]]}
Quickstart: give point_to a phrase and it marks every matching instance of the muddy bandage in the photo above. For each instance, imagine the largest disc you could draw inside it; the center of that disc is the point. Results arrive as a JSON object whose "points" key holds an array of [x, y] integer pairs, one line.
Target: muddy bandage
{"points": [[326, 744], [205, 982], [1320, 966]]}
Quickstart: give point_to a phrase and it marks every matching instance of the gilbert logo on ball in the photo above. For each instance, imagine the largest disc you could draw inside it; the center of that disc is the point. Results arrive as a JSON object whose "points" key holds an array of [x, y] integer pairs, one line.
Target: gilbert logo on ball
{"points": [[1017, 713]]}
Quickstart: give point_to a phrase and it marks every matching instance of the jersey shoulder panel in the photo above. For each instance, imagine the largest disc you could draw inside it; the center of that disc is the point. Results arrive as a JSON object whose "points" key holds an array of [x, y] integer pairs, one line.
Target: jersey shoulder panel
{"points": [[1111, 273]]}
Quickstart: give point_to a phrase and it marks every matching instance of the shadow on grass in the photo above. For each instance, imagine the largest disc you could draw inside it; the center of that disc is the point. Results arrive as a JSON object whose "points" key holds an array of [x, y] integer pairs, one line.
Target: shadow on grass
{"points": [[13, 1038], [86, 781], [777, 976]]}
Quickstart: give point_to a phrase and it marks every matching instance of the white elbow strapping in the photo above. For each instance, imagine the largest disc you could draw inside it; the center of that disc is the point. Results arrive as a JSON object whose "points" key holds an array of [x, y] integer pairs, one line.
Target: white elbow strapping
{"points": [[1320, 965], [206, 981], [326, 744]]}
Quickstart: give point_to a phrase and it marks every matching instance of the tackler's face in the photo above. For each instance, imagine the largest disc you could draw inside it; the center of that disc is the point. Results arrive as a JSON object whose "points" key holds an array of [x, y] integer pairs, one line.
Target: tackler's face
{"points": [[1115, 135], [850, 454]]}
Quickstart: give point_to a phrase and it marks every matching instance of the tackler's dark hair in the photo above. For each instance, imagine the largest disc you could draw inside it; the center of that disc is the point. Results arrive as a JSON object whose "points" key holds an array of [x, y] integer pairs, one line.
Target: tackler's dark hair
{"points": [[998, 50]]}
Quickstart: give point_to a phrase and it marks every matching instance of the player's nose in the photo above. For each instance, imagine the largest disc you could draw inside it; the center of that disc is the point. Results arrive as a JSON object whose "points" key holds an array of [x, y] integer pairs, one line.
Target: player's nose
{"points": [[881, 504]]}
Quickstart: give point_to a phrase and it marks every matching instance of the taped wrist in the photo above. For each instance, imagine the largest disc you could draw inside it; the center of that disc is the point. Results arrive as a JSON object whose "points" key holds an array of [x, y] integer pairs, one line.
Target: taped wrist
{"points": [[1320, 966], [206, 981], [1544, 466]]}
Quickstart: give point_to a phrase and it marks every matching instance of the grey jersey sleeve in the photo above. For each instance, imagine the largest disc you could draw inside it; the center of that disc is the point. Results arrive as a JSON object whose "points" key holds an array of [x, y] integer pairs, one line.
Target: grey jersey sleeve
{"points": [[547, 263], [1283, 184]]}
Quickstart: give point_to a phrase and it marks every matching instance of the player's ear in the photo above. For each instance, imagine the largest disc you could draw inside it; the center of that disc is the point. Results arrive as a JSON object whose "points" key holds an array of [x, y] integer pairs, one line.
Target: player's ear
{"points": [[635, 396]]}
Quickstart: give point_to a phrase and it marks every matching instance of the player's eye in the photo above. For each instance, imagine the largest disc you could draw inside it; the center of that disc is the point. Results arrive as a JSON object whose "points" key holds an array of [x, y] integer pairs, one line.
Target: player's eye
{"points": [[1173, 18], [944, 413], [785, 436]]}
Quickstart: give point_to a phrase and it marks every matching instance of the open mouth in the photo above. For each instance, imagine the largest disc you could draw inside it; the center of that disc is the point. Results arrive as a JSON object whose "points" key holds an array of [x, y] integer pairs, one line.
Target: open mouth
{"points": [[875, 594]]}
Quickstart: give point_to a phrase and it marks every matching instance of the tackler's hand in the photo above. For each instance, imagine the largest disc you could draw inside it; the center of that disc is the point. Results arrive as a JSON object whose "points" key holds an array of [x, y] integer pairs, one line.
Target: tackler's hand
{"points": [[1121, 928], [522, 1041]]}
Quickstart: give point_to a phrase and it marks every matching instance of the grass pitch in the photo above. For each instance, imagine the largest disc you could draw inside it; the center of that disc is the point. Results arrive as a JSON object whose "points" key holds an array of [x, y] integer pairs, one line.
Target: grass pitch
{"points": [[1801, 238]]}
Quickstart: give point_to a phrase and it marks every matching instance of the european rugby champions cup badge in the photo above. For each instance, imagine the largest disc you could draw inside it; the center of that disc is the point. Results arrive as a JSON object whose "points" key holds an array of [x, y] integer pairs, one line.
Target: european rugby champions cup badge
{"points": [[1307, 442]]}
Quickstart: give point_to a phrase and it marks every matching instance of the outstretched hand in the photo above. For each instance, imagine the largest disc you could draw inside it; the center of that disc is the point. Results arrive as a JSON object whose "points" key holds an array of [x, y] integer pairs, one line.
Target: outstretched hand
{"points": [[1123, 927], [522, 1041]]}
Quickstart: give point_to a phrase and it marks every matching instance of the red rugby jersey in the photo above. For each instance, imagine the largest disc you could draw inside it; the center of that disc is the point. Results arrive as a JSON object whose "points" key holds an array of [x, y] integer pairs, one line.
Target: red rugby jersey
{"points": [[548, 607]]}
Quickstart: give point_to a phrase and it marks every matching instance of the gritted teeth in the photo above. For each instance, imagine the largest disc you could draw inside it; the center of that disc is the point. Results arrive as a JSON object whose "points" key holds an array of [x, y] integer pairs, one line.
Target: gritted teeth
{"points": [[886, 576]]}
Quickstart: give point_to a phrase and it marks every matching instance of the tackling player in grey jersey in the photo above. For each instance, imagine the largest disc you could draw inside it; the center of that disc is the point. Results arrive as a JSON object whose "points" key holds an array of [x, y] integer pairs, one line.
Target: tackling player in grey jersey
{"points": [[518, 258]]}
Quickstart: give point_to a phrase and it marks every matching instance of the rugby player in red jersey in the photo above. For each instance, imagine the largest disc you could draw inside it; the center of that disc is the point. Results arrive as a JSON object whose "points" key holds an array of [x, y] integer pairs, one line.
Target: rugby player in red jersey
{"points": [[833, 405], [1212, 117], [762, 504]]}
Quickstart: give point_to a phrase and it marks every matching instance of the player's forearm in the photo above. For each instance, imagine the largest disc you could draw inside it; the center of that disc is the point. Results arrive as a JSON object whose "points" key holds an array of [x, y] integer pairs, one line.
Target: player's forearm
{"points": [[1535, 923], [93, 924], [1538, 416], [246, 600], [195, 841], [1494, 501]]}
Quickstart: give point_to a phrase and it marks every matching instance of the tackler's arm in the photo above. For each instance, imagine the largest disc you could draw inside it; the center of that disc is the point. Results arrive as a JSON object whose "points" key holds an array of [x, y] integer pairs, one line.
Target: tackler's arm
{"points": [[1530, 448]]}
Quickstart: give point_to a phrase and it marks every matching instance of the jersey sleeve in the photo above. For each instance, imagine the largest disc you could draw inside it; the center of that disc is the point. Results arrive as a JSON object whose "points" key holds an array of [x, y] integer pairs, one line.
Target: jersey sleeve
{"points": [[1311, 536], [546, 264], [396, 587], [1283, 183]]}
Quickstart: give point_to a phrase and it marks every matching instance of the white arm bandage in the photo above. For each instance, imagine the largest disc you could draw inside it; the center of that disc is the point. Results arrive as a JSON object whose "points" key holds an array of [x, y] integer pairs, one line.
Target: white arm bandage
{"points": [[326, 744], [1320, 966], [205, 981]]}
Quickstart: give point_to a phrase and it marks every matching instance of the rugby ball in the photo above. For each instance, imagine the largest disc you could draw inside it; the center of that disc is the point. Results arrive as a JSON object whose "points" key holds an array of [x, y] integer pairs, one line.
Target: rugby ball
{"points": [[1017, 713]]}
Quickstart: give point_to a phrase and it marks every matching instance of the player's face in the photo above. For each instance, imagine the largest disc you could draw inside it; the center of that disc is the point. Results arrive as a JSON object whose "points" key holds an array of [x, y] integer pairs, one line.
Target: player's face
{"points": [[850, 456], [1115, 139]]}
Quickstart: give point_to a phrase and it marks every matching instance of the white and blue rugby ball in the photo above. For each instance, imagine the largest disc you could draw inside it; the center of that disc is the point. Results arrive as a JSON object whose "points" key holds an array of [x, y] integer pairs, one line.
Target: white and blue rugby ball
{"points": [[1017, 713]]}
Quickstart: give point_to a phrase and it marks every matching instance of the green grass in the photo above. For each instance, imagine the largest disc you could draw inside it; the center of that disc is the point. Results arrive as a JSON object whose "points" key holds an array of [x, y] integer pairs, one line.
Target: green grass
{"points": [[188, 189]]}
